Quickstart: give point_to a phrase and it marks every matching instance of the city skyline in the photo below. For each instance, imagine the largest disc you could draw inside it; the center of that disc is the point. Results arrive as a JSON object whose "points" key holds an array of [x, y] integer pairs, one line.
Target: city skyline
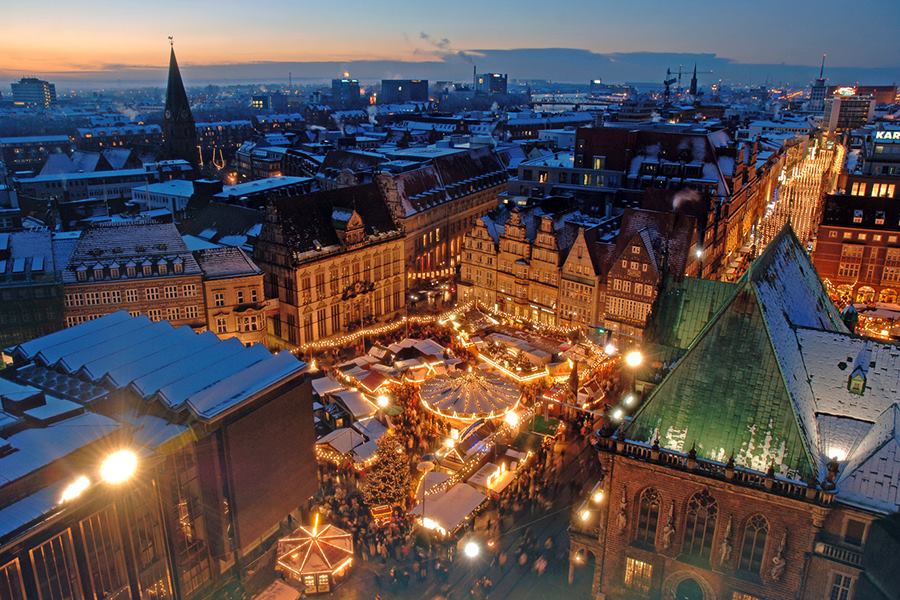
{"points": [[442, 41]]}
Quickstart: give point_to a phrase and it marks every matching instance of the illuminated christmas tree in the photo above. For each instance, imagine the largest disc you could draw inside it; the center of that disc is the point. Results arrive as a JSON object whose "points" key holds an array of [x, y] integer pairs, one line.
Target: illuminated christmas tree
{"points": [[388, 481]]}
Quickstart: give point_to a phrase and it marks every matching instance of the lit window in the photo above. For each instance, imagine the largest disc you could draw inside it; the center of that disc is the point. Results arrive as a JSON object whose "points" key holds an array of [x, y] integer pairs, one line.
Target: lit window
{"points": [[638, 575], [743, 596]]}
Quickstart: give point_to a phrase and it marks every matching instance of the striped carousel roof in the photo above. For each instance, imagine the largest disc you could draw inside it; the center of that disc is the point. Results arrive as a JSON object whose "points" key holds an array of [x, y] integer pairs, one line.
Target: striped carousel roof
{"points": [[471, 395]]}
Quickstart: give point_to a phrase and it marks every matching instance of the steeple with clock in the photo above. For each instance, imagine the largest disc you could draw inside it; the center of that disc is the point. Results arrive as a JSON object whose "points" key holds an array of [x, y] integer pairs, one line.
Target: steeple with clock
{"points": [[179, 131]]}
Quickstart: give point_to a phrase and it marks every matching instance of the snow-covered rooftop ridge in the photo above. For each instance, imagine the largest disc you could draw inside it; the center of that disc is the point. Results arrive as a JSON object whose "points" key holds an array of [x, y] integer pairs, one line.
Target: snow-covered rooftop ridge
{"points": [[174, 366]]}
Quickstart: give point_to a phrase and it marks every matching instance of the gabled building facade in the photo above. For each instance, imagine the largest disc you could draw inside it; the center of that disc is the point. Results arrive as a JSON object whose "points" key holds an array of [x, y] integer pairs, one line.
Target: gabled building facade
{"points": [[334, 260]]}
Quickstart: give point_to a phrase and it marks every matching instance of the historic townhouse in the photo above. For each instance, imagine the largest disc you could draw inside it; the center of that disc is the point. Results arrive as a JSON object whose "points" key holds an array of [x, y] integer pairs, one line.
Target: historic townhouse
{"points": [[758, 465], [234, 297], [144, 268], [147, 269], [650, 246], [334, 261], [563, 268]]}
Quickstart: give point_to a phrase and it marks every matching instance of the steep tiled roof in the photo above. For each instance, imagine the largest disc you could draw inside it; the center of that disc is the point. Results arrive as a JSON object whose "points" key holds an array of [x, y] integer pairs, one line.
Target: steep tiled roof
{"points": [[225, 262], [742, 387], [448, 177], [118, 244], [684, 308], [307, 222]]}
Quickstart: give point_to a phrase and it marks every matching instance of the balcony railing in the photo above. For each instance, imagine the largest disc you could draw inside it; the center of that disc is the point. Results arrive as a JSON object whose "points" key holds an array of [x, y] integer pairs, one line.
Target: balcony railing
{"points": [[772, 483], [839, 553]]}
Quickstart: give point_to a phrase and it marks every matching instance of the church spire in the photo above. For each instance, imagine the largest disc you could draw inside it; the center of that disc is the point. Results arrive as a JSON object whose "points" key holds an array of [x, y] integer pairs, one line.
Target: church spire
{"points": [[179, 131], [693, 89]]}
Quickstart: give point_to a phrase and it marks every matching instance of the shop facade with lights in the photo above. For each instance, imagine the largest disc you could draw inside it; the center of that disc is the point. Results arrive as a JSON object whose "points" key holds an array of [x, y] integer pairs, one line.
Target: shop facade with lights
{"points": [[145, 476]]}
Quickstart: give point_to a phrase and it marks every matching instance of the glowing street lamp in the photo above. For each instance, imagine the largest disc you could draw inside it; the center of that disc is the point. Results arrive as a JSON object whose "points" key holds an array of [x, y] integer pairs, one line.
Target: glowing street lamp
{"points": [[597, 497], [119, 467], [609, 349], [585, 514], [472, 549], [698, 253], [628, 400], [382, 401], [512, 419], [617, 414], [634, 359]]}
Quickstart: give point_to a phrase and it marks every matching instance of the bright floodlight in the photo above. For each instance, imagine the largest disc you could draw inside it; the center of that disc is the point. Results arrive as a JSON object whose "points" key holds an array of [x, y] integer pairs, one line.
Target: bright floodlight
{"points": [[698, 253], [382, 401], [74, 489], [628, 400], [634, 358], [449, 443], [609, 349], [585, 515], [512, 419], [597, 497], [617, 414], [471, 549], [119, 466]]}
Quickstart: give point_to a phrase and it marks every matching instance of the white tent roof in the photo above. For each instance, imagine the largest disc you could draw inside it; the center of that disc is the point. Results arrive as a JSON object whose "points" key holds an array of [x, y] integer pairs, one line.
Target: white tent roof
{"points": [[450, 509]]}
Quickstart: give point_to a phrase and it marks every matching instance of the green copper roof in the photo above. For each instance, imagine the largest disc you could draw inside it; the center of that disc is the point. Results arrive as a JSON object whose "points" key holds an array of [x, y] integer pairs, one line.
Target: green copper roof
{"points": [[727, 395], [742, 386], [685, 307]]}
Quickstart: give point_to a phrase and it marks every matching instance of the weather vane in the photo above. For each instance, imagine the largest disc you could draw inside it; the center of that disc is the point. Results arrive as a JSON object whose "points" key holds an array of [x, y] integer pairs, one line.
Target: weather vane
{"points": [[171, 41]]}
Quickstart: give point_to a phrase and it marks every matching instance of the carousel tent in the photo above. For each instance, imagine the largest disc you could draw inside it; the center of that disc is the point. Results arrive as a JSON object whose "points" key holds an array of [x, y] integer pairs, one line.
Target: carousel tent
{"points": [[447, 512], [315, 556], [471, 395]]}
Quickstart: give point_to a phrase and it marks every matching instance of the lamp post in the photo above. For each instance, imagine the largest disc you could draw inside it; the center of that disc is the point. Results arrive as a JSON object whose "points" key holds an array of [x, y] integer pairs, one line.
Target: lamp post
{"points": [[633, 360]]}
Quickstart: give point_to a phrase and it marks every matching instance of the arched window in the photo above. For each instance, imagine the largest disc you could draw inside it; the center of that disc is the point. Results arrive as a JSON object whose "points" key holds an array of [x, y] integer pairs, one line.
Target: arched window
{"points": [[888, 295], [754, 544], [700, 525], [648, 517]]}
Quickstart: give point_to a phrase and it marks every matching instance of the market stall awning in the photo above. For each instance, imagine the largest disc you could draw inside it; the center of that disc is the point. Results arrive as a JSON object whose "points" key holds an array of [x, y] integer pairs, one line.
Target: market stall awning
{"points": [[446, 512]]}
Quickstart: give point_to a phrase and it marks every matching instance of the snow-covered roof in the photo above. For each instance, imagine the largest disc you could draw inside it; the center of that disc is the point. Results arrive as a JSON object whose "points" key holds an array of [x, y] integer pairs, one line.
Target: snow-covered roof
{"points": [[180, 369]]}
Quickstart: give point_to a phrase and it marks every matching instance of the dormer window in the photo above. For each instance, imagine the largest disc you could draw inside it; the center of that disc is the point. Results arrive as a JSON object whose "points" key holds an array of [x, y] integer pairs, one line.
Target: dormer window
{"points": [[98, 271], [178, 265], [163, 267], [130, 269], [857, 216], [147, 268], [857, 382], [81, 273], [114, 271], [879, 217]]}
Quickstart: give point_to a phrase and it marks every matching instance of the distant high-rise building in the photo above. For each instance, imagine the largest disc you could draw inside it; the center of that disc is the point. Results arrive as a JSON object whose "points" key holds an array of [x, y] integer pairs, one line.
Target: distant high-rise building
{"points": [[396, 91], [817, 91], [179, 130], [345, 93], [34, 92], [491, 83], [847, 110], [693, 88]]}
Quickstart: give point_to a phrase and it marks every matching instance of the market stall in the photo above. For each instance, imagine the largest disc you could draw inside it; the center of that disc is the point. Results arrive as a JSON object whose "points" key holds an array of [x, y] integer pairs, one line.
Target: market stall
{"points": [[316, 557]]}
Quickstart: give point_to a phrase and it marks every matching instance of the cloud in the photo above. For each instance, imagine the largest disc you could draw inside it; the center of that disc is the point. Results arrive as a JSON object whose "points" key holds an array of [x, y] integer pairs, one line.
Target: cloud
{"points": [[443, 48]]}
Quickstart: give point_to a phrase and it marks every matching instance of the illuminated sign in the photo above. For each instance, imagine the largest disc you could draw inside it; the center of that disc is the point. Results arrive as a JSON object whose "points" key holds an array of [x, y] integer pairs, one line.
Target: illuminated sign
{"points": [[845, 91], [887, 136]]}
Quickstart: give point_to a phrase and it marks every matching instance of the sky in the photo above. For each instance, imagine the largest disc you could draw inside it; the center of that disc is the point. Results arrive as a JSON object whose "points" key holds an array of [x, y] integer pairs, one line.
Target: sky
{"points": [[91, 38]]}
